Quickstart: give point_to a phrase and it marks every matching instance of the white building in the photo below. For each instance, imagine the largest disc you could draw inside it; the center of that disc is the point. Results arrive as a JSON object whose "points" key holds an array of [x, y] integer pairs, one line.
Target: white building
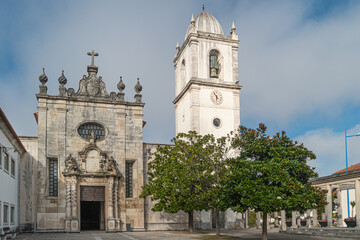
{"points": [[207, 93], [11, 150]]}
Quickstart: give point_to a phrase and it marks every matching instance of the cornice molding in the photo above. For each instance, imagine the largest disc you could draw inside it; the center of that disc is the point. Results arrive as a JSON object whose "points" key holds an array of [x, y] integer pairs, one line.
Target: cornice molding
{"points": [[336, 177], [193, 37], [87, 99], [197, 82]]}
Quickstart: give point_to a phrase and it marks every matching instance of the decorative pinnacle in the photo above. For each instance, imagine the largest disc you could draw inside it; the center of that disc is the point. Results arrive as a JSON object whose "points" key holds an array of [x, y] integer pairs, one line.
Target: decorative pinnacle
{"points": [[43, 78], [62, 79], [192, 19], [177, 45], [121, 85], [233, 28], [138, 87], [203, 7]]}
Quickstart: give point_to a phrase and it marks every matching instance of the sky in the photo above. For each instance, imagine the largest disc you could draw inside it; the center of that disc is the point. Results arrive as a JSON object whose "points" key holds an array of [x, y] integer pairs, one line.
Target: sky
{"points": [[298, 62]]}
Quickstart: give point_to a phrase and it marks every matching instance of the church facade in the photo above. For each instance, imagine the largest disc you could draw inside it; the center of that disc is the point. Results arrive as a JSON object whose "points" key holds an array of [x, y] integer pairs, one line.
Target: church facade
{"points": [[86, 168]]}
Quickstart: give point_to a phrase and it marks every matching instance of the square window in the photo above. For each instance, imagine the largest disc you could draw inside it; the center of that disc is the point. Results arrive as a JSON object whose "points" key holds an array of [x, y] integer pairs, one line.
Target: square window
{"points": [[6, 161], [129, 179], [53, 178], [6, 213], [1, 157], [13, 167], [12, 214]]}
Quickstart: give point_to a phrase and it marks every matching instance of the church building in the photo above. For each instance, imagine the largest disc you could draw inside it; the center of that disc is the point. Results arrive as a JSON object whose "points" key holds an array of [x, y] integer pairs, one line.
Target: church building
{"points": [[86, 168]]}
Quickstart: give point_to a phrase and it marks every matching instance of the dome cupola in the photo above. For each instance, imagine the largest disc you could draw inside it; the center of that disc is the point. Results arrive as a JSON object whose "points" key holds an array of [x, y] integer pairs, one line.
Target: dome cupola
{"points": [[204, 22]]}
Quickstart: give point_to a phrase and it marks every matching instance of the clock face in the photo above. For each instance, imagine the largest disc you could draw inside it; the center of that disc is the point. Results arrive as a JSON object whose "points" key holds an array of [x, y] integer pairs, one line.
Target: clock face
{"points": [[216, 97]]}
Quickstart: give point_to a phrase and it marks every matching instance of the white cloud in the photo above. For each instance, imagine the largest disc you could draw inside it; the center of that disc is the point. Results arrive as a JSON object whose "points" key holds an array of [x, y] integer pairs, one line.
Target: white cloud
{"points": [[329, 147], [290, 65]]}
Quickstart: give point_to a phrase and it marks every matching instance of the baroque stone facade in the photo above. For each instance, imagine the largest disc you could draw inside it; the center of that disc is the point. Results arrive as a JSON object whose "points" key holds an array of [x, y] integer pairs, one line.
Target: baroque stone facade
{"points": [[87, 166]]}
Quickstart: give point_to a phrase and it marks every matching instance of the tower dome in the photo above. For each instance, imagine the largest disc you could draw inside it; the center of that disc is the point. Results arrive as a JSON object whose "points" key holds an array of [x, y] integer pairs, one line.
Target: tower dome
{"points": [[204, 22]]}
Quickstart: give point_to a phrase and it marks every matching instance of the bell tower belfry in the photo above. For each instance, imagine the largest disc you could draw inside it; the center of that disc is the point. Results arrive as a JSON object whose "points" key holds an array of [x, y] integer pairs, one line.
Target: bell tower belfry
{"points": [[206, 79]]}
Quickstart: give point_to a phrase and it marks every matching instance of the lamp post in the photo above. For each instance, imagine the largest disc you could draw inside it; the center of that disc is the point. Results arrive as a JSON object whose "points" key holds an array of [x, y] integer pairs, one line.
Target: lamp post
{"points": [[347, 169]]}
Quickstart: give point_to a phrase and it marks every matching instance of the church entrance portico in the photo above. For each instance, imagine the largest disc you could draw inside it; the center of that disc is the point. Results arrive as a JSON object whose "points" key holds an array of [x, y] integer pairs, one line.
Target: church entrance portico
{"points": [[92, 193], [92, 211]]}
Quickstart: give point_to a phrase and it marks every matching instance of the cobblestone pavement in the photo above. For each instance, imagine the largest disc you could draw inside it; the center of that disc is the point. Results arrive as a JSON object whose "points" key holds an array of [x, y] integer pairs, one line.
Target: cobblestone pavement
{"points": [[163, 235]]}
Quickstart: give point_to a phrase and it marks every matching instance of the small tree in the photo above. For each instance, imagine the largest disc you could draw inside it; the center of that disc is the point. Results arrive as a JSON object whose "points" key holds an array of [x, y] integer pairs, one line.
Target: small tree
{"points": [[185, 176], [270, 174], [352, 203]]}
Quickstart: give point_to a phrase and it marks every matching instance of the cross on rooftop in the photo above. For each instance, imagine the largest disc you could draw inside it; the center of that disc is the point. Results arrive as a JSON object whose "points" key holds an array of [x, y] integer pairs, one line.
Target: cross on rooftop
{"points": [[92, 54]]}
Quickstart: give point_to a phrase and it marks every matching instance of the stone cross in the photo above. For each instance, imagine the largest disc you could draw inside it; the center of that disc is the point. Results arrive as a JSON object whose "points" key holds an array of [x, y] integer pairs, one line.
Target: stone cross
{"points": [[92, 54]]}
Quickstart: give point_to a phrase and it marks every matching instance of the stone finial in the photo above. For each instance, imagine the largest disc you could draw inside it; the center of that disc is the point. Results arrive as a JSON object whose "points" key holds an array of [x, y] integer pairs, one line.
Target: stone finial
{"points": [[138, 87], [43, 79], [121, 85], [192, 19], [62, 79], [233, 28], [177, 49], [233, 33]]}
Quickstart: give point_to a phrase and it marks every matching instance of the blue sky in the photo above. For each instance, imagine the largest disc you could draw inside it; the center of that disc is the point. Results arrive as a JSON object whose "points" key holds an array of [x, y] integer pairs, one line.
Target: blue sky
{"points": [[298, 62]]}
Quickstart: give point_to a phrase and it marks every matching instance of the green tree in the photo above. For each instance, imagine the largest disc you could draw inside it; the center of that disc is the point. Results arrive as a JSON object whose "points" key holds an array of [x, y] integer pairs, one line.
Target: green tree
{"points": [[219, 151], [270, 174], [186, 176]]}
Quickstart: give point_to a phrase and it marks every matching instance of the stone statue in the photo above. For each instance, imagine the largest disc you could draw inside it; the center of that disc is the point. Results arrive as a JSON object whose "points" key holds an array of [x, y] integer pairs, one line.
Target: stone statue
{"points": [[92, 136]]}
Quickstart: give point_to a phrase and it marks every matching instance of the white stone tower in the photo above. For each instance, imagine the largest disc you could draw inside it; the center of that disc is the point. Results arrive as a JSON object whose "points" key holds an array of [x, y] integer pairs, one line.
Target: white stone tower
{"points": [[206, 79]]}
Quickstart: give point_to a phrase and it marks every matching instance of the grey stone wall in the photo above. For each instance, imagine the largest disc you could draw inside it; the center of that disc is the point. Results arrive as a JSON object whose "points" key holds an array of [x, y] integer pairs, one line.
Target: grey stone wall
{"points": [[28, 184], [58, 120]]}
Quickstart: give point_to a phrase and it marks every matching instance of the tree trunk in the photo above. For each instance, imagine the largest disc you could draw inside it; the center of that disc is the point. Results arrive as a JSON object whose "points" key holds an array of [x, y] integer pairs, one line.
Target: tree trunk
{"points": [[217, 222], [264, 227], [191, 221]]}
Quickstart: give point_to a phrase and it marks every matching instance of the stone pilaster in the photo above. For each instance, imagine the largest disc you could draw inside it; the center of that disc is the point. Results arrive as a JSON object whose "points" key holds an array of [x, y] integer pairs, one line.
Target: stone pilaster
{"points": [[328, 207], [258, 217], [298, 219], [276, 217], [116, 204], [357, 200], [283, 220], [247, 215], [293, 219], [315, 216], [74, 208], [111, 220], [308, 218], [68, 206], [341, 222]]}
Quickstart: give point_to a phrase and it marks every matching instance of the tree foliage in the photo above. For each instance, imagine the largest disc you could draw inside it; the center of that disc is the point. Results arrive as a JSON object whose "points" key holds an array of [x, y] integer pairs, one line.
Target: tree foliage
{"points": [[186, 176], [270, 174]]}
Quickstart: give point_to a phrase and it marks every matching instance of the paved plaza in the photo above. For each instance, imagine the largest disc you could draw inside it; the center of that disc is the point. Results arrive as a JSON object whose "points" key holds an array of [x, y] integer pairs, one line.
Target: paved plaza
{"points": [[163, 235]]}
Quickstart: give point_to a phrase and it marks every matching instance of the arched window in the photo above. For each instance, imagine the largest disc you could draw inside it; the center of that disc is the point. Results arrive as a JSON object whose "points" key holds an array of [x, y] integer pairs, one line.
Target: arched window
{"points": [[214, 64], [182, 70]]}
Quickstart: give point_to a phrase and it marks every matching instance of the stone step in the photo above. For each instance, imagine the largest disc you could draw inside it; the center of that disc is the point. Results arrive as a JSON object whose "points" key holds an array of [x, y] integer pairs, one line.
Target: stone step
{"points": [[330, 232]]}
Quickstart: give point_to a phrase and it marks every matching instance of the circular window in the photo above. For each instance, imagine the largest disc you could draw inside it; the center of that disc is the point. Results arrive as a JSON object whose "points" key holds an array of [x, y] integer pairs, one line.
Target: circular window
{"points": [[86, 131], [217, 122]]}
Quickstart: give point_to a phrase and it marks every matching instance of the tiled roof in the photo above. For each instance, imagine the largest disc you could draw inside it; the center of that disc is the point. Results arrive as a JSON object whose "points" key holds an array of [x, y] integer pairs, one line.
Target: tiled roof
{"points": [[351, 168], [7, 123]]}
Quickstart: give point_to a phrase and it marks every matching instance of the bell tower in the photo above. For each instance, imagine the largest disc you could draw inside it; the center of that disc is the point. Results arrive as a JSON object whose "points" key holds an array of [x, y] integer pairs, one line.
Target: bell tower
{"points": [[206, 79]]}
